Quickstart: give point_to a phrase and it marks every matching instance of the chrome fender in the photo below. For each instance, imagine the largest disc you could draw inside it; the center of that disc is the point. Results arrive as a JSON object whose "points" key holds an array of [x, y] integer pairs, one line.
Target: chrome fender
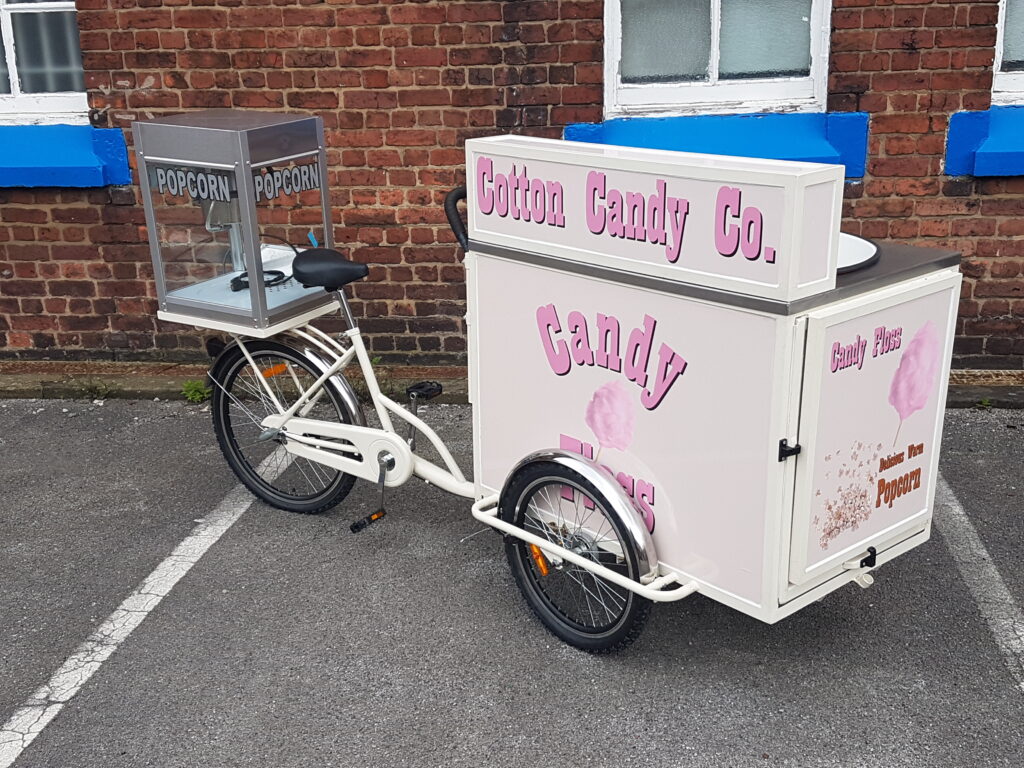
{"points": [[341, 386], [338, 383], [622, 506]]}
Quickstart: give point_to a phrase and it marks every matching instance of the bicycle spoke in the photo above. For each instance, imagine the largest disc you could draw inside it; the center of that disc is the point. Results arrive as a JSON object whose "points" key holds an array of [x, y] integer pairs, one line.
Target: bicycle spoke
{"points": [[583, 526]]}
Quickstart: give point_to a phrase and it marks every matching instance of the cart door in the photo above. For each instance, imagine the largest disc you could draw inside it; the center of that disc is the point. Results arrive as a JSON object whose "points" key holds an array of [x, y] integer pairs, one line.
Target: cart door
{"points": [[876, 369]]}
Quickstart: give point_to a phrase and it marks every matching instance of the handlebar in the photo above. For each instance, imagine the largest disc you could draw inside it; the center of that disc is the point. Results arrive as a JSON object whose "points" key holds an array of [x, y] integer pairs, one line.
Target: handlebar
{"points": [[451, 210]]}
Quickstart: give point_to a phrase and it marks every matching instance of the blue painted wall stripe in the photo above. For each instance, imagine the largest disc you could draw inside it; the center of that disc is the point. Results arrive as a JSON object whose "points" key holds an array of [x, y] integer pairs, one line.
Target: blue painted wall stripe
{"points": [[840, 137], [62, 156]]}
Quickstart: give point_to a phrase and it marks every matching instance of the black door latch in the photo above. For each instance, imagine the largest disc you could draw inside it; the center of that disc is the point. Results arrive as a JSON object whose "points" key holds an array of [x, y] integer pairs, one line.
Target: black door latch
{"points": [[869, 561], [786, 450]]}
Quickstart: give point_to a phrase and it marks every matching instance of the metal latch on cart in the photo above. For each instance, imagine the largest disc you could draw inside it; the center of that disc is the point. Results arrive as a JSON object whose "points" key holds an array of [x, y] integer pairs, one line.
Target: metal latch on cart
{"points": [[863, 580], [786, 450]]}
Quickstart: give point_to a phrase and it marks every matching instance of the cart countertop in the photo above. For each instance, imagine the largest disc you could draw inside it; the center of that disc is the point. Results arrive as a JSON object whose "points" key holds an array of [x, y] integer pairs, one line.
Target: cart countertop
{"points": [[897, 262]]}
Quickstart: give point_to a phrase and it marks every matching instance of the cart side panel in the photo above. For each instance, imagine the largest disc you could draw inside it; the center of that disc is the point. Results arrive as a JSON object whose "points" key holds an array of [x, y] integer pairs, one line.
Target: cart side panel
{"points": [[688, 441], [822, 206], [871, 422]]}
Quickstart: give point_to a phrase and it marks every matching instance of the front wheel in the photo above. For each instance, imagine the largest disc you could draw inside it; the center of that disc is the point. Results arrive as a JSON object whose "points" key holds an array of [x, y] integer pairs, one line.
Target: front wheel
{"points": [[240, 403], [576, 605]]}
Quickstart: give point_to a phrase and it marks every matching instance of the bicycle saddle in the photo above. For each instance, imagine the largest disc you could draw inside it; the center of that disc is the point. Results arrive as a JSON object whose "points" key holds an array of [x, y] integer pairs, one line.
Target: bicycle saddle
{"points": [[326, 268]]}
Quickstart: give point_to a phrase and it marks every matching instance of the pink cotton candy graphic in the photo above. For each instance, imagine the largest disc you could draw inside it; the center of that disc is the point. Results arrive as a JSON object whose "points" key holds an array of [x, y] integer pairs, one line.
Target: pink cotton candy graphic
{"points": [[611, 416], [914, 379]]}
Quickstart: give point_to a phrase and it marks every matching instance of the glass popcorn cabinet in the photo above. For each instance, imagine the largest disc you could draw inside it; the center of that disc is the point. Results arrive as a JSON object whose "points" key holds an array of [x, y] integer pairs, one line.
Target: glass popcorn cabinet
{"points": [[230, 196]]}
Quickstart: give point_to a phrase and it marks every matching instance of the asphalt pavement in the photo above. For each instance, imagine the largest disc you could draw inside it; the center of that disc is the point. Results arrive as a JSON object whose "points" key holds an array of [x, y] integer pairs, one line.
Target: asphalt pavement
{"points": [[293, 642]]}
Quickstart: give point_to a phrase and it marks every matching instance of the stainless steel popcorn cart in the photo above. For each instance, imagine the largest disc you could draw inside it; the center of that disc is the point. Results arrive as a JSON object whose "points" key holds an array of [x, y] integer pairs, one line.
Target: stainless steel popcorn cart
{"points": [[674, 389]]}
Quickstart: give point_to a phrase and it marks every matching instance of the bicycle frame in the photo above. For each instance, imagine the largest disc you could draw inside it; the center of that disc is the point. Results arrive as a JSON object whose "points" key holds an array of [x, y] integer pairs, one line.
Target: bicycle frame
{"points": [[367, 451]]}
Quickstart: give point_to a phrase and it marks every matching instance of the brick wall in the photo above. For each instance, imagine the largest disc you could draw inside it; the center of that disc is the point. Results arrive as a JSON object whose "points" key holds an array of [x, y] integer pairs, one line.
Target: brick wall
{"points": [[911, 64], [401, 85]]}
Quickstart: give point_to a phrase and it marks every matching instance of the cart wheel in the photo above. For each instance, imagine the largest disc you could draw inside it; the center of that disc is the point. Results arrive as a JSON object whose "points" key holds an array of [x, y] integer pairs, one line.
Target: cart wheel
{"points": [[239, 403], [577, 606]]}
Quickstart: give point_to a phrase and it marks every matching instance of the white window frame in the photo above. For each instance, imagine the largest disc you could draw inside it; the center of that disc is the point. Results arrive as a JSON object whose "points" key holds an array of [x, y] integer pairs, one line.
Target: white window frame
{"points": [[17, 108], [1007, 87], [770, 94]]}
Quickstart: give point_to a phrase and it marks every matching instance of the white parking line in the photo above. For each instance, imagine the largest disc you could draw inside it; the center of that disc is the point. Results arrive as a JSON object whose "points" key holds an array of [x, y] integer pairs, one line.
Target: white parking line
{"points": [[998, 608], [35, 714]]}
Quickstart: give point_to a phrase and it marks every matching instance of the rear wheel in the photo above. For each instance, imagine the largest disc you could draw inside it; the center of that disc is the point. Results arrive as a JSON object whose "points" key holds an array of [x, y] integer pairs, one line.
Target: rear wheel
{"points": [[240, 403], [578, 606]]}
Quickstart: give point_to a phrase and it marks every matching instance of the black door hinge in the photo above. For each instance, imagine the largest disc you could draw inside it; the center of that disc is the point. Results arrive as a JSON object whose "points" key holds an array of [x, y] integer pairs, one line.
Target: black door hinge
{"points": [[786, 450]]}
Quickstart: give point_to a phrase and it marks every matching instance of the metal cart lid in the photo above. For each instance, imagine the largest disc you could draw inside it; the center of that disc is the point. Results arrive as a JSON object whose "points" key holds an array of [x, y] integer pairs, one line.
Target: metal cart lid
{"points": [[228, 119], [896, 263], [219, 138]]}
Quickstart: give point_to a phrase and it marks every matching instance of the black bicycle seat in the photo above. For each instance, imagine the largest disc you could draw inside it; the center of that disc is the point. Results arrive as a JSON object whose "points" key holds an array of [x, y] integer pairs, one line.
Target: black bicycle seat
{"points": [[326, 268]]}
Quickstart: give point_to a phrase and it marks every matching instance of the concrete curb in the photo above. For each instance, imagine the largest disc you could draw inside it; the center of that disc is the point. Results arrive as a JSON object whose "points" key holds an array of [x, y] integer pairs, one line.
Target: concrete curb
{"points": [[101, 380]]}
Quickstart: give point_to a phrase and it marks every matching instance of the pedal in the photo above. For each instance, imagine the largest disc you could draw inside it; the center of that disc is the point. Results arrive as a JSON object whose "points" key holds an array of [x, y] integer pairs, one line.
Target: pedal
{"points": [[386, 461], [424, 390], [358, 525]]}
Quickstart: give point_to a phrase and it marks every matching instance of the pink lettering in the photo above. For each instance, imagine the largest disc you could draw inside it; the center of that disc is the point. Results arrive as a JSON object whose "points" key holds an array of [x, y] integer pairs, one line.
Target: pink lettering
{"points": [[638, 352], [670, 367], [484, 174], [751, 245], [595, 192], [557, 353], [727, 235], [537, 201], [515, 194], [645, 498], [608, 343], [579, 350]]}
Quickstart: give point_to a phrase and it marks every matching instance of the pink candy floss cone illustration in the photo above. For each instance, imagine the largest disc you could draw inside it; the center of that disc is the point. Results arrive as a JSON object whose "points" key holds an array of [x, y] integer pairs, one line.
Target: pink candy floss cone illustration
{"points": [[611, 416], [914, 379]]}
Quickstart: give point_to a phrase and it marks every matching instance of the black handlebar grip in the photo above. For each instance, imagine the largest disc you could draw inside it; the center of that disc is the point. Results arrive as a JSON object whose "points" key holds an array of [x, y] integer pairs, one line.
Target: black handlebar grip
{"points": [[451, 210]]}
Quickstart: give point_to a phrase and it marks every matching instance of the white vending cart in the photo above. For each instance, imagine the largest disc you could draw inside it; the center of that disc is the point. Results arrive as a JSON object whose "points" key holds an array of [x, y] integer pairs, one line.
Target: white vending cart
{"points": [[678, 318]]}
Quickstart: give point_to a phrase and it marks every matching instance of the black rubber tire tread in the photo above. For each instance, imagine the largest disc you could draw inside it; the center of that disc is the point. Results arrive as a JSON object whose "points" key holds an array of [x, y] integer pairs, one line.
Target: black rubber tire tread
{"points": [[638, 609], [226, 365]]}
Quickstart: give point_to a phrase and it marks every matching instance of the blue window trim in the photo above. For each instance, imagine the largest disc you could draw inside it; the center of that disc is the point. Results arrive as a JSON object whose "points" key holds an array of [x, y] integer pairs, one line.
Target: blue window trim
{"points": [[989, 143], [832, 137], [62, 156]]}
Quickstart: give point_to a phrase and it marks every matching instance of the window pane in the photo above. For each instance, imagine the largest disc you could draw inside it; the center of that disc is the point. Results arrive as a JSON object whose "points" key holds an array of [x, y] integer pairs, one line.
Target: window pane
{"points": [[1013, 38], [765, 38], [48, 57], [5, 81], [665, 40]]}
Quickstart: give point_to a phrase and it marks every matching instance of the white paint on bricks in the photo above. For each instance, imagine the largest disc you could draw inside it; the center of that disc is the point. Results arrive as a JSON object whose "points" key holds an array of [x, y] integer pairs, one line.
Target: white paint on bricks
{"points": [[46, 702], [995, 602]]}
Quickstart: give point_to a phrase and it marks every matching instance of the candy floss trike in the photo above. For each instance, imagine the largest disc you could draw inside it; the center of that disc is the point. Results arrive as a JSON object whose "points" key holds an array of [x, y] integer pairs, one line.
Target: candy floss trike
{"points": [[684, 379]]}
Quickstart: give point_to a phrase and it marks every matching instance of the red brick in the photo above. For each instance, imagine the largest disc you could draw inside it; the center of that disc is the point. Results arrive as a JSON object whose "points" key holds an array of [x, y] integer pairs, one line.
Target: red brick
{"points": [[200, 18]]}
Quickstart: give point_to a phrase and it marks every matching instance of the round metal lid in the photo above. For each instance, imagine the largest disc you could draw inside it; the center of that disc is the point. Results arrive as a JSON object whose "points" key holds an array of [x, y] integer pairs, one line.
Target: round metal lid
{"points": [[855, 253]]}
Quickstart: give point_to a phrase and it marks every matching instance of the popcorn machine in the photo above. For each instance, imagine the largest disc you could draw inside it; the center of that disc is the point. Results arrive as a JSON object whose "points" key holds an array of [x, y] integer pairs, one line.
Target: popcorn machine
{"points": [[229, 195]]}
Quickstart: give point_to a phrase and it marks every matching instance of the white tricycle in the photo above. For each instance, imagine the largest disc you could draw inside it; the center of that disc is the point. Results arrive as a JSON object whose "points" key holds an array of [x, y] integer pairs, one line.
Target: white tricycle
{"points": [[293, 430]]}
